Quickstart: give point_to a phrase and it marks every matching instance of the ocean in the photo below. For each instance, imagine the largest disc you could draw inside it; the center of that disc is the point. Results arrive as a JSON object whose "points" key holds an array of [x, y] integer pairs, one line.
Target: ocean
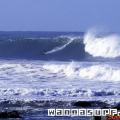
{"points": [[43, 70]]}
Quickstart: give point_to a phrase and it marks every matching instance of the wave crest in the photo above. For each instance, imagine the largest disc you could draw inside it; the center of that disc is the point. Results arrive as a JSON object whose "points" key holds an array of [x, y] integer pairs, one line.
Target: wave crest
{"points": [[101, 72], [88, 47], [105, 46]]}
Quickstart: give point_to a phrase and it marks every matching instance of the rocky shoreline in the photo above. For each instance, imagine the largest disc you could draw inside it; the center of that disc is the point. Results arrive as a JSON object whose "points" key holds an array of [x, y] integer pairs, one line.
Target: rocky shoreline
{"points": [[20, 109]]}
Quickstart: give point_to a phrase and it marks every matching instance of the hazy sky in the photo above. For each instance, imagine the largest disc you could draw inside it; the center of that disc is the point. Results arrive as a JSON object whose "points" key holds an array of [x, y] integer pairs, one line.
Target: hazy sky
{"points": [[59, 15]]}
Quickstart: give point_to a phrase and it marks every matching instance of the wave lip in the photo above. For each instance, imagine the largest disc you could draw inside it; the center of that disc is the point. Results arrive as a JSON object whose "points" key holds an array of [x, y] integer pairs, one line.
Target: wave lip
{"points": [[56, 49], [105, 46], [62, 48]]}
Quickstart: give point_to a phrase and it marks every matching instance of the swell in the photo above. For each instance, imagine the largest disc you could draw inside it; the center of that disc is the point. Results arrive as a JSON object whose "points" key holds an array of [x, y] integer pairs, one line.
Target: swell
{"points": [[58, 48], [89, 46]]}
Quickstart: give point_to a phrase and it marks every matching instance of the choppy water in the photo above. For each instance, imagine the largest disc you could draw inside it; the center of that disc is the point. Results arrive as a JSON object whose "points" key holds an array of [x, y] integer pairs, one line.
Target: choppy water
{"points": [[36, 80], [67, 67]]}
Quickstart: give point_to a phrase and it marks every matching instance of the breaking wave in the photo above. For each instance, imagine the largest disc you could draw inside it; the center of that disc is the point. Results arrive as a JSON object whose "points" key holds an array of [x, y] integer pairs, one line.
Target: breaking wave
{"points": [[56, 49], [105, 46], [101, 72], [37, 80], [85, 47]]}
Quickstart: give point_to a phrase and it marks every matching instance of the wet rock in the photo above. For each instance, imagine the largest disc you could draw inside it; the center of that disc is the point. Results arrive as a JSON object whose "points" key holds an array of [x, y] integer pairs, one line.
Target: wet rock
{"points": [[91, 104], [117, 106], [97, 118], [12, 114]]}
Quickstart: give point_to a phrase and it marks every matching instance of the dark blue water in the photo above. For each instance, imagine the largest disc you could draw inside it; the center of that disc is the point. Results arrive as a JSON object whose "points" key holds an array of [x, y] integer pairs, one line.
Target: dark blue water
{"points": [[34, 45]]}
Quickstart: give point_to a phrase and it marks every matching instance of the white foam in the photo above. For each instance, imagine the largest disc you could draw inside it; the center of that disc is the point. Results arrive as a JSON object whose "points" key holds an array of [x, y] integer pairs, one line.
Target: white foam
{"points": [[106, 46], [101, 72], [56, 49], [56, 68], [51, 80]]}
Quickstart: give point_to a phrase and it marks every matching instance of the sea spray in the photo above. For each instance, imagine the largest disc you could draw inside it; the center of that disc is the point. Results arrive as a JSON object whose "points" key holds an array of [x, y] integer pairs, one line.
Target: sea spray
{"points": [[103, 46], [99, 72]]}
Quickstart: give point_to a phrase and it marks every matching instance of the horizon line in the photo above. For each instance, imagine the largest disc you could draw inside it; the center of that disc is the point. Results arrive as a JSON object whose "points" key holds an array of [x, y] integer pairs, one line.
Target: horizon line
{"points": [[37, 31]]}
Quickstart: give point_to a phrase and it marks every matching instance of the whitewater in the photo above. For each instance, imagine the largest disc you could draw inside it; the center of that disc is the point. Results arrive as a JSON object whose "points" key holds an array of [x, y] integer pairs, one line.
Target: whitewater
{"points": [[58, 66], [105, 46]]}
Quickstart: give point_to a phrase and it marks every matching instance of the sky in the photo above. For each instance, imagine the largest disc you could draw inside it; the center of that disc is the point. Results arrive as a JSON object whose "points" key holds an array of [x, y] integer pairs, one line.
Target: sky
{"points": [[59, 15]]}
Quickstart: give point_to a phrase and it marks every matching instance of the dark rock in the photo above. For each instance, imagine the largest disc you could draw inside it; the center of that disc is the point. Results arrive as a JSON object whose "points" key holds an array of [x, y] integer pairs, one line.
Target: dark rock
{"points": [[117, 106], [91, 104], [97, 118], [83, 104], [12, 114]]}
